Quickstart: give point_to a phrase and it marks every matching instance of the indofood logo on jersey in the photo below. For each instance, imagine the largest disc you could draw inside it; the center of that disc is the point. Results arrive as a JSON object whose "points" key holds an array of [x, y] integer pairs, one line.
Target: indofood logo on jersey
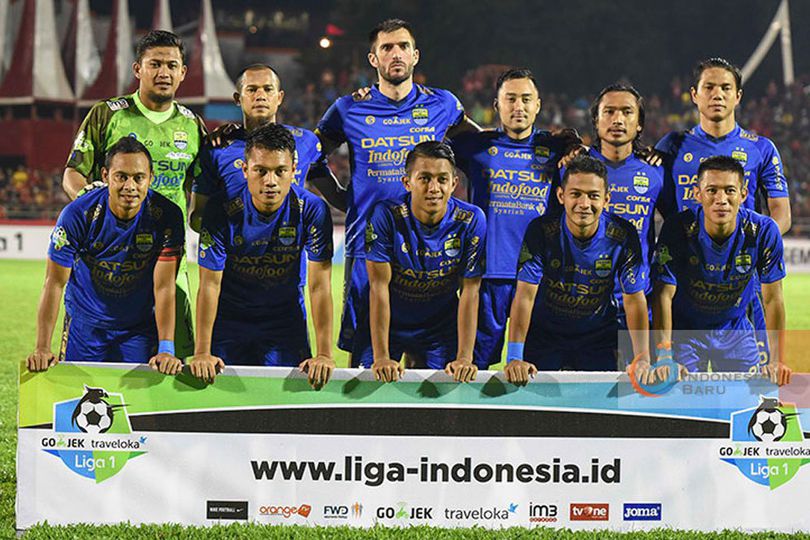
{"points": [[641, 184], [92, 434], [769, 446], [420, 116]]}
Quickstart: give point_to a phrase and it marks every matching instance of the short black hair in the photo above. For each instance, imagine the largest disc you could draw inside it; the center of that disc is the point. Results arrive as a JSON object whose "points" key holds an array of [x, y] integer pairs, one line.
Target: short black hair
{"points": [[270, 137], [430, 149], [159, 38], [515, 73], [126, 145], [585, 164], [721, 163], [387, 26], [618, 87], [716, 62], [255, 67]]}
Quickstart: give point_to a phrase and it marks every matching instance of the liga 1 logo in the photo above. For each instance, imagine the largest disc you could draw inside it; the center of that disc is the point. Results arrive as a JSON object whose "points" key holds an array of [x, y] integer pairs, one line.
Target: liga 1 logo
{"points": [[92, 434], [769, 446]]}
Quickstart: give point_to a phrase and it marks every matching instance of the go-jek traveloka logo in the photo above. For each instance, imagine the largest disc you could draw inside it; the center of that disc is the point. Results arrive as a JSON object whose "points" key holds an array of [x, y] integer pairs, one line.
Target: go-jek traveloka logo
{"points": [[92, 434], [769, 445]]}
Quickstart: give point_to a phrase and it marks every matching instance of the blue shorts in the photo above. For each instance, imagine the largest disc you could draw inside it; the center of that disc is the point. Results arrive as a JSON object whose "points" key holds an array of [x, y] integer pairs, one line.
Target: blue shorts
{"points": [[566, 354], [355, 302], [83, 341], [494, 302], [431, 347], [281, 342], [729, 349]]}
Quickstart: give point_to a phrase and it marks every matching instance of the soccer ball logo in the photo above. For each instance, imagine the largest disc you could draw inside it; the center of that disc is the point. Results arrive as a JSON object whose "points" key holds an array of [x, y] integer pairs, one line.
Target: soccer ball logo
{"points": [[768, 423], [93, 414]]}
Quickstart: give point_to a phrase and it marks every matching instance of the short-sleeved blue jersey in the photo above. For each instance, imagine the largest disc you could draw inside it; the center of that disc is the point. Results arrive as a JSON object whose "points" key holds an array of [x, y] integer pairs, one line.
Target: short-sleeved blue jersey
{"points": [[716, 283], [113, 261], [221, 168], [684, 151], [512, 182], [380, 133], [260, 256], [576, 279], [427, 263]]}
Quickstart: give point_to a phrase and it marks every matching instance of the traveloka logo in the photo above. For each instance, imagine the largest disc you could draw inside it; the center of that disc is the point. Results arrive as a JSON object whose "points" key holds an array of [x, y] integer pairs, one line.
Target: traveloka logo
{"points": [[481, 513], [93, 436], [769, 443]]}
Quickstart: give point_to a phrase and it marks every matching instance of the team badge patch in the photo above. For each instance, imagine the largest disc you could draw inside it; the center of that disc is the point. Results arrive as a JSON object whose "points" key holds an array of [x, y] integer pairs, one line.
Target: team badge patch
{"points": [[144, 241], [602, 267], [420, 116], [742, 263], [740, 156], [286, 235], [452, 246], [641, 184], [59, 238], [542, 151], [180, 140]]}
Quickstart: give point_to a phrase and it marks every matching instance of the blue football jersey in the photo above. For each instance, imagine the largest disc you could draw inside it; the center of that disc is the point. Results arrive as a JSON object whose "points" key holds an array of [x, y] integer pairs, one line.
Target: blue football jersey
{"points": [[684, 151], [380, 133], [576, 279], [260, 256], [113, 261], [512, 182], [427, 263], [221, 168], [716, 283]]}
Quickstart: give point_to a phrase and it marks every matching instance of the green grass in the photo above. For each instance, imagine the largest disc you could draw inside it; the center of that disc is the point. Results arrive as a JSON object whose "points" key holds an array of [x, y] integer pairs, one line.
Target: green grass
{"points": [[20, 285]]}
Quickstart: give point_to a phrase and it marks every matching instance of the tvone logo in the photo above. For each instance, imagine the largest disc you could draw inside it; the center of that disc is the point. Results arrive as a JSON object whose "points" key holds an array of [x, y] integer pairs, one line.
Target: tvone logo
{"points": [[543, 513], [589, 512]]}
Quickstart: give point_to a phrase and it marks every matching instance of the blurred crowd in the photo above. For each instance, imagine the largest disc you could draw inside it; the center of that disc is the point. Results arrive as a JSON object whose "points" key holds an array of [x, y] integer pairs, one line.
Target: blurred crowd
{"points": [[781, 114]]}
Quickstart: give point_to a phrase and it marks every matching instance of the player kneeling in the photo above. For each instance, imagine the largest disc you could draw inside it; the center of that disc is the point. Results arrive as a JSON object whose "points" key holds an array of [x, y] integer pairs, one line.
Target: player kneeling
{"points": [[250, 306], [117, 249], [419, 248], [570, 264], [706, 268]]}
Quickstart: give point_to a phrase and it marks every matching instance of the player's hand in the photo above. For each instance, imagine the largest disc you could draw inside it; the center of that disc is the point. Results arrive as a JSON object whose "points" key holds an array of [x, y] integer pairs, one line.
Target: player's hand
{"points": [[223, 135], [92, 186], [778, 372], [518, 372], [461, 370], [362, 94], [166, 363], [205, 366], [318, 369], [571, 153], [662, 372], [650, 155], [387, 370], [41, 359]]}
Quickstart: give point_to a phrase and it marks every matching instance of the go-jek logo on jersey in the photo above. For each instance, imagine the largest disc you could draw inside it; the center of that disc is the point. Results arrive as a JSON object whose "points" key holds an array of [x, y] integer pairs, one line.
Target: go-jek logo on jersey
{"points": [[769, 446], [92, 434]]}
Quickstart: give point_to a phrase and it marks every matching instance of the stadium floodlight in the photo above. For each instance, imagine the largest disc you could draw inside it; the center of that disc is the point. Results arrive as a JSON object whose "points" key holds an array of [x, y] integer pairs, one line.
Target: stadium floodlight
{"points": [[325, 42], [779, 25]]}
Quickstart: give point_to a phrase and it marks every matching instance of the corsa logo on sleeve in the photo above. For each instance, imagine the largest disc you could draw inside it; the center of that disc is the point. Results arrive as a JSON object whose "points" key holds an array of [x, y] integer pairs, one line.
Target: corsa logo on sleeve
{"points": [[92, 434]]}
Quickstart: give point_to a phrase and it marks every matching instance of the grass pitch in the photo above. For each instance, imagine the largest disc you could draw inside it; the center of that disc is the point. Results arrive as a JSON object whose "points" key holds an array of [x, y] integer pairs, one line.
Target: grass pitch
{"points": [[20, 286]]}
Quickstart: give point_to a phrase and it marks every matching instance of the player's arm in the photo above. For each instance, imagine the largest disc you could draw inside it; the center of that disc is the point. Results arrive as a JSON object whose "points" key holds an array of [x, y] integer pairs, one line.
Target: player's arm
{"points": [[466, 125], [196, 210], [518, 371], [462, 368], [379, 276], [72, 182], [319, 282], [203, 364], [638, 325], [774, 305], [56, 277], [320, 176], [331, 135], [663, 293], [164, 290], [779, 209]]}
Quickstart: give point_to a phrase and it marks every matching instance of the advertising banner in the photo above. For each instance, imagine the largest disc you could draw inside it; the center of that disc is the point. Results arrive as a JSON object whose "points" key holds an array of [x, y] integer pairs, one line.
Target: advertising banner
{"points": [[106, 443]]}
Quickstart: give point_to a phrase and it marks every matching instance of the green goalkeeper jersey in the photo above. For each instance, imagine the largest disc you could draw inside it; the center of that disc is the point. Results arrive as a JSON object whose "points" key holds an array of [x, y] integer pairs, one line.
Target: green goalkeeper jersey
{"points": [[173, 139]]}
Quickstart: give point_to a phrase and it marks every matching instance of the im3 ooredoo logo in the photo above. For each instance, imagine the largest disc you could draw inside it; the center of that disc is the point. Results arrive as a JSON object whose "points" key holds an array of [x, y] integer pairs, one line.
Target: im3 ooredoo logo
{"points": [[92, 434]]}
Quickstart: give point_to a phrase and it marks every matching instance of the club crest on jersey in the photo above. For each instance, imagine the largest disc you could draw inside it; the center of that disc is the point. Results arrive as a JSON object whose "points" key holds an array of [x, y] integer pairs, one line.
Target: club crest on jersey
{"points": [[180, 139], [144, 241], [602, 267], [420, 116], [742, 263], [542, 151], [492, 151], [452, 246], [641, 184], [286, 235], [740, 156]]}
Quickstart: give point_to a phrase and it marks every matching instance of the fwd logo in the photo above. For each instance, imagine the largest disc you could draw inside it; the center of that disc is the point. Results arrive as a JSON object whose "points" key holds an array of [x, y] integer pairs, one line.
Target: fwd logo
{"points": [[336, 512], [589, 512]]}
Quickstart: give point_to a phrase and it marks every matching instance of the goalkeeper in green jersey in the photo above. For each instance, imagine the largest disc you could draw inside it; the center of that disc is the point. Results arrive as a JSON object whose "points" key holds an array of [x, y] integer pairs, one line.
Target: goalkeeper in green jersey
{"points": [[172, 134]]}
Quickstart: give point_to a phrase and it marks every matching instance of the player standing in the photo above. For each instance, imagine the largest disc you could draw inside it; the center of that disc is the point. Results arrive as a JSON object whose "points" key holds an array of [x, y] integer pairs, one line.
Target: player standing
{"points": [[250, 306], [420, 248], [171, 133], [564, 311], [116, 249]]}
